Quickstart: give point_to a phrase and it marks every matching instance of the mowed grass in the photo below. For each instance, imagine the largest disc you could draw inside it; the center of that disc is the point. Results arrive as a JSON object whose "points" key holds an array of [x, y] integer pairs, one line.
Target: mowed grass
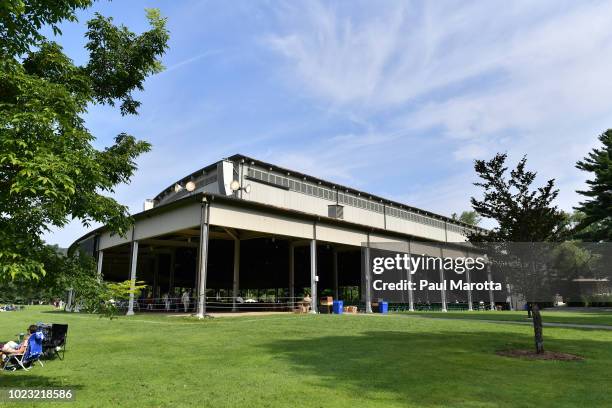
{"points": [[313, 361], [548, 316]]}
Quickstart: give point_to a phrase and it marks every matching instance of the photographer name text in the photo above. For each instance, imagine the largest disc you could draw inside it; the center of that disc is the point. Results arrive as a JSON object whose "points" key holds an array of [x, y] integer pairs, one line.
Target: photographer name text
{"points": [[424, 284]]}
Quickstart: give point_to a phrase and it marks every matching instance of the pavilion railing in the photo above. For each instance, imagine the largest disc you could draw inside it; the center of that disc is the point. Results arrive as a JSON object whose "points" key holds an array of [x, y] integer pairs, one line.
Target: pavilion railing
{"points": [[214, 303]]}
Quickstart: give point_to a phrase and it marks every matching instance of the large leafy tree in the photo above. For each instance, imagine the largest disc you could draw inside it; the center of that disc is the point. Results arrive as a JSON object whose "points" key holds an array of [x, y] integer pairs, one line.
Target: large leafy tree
{"points": [[49, 170], [75, 271], [62, 272], [596, 223]]}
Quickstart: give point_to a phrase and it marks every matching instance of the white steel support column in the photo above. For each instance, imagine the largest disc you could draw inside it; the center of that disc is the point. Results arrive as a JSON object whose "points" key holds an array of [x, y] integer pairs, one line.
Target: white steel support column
{"points": [[292, 274], [313, 275], [68, 306], [410, 292], [490, 278], [509, 297], [469, 294], [443, 293], [133, 266], [100, 260], [444, 306], [204, 227], [368, 289], [236, 281], [335, 272]]}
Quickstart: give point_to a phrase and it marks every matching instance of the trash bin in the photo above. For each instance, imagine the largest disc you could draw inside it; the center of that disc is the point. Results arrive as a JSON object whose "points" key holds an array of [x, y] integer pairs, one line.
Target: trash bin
{"points": [[383, 307], [338, 306]]}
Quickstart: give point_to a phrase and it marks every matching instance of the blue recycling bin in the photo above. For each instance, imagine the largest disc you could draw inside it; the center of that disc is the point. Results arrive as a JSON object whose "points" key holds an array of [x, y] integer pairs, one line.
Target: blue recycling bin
{"points": [[383, 307], [338, 306]]}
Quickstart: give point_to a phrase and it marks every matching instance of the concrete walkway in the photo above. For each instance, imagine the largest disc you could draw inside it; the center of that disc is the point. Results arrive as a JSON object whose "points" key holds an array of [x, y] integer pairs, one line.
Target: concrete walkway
{"points": [[563, 325]]}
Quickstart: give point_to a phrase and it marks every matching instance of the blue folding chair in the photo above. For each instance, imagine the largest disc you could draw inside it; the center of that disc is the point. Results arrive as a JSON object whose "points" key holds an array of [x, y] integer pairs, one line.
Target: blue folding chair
{"points": [[32, 354]]}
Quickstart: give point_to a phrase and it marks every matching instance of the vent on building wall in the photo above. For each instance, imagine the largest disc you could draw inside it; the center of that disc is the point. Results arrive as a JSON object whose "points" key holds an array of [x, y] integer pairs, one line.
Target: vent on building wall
{"points": [[335, 211], [148, 204]]}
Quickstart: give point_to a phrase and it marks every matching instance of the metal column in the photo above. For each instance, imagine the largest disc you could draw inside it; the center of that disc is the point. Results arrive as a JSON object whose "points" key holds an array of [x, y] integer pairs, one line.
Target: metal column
{"points": [[442, 282], [313, 275], [490, 278], [410, 292], [133, 266], [335, 272], [69, 302], [469, 294], [292, 274], [236, 281], [368, 289], [509, 297], [444, 308], [100, 260], [204, 227]]}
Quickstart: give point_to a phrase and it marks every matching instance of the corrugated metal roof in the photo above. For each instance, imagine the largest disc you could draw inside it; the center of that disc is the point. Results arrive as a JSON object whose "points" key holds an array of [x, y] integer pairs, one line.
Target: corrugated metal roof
{"points": [[273, 167]]}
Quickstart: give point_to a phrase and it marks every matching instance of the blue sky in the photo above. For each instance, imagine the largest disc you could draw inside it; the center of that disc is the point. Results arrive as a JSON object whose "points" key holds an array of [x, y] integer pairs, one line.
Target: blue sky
{"points": [[396, 98]]}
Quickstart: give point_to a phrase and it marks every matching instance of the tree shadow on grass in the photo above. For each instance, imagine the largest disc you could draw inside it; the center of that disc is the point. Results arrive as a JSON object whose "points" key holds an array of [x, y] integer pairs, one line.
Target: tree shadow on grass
{"points": [[441, 368], [57, 312], [26, 379]]}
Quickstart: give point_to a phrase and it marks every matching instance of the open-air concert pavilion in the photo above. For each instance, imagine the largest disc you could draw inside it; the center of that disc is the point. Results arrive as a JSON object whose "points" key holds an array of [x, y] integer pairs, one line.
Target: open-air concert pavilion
{"points": [[242, 234]]}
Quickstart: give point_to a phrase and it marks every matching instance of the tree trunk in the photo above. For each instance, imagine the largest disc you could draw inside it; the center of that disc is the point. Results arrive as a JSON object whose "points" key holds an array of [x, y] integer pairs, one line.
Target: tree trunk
{"points": [[537, 329]]}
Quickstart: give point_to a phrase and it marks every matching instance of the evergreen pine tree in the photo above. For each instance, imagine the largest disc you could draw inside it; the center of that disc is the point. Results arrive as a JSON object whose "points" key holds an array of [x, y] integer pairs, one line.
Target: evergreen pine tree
{"points": [[596, 225]]}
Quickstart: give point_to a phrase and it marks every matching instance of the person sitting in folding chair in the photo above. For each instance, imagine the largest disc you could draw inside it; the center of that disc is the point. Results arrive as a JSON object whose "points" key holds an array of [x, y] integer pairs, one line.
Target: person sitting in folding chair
{"points": [[25, 357], [12, 347]]}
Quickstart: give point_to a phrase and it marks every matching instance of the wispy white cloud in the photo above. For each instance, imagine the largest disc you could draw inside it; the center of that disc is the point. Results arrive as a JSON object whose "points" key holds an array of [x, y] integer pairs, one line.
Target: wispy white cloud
{"points": [[339, 58], [532, 80], [190, 60], [393, 97]]}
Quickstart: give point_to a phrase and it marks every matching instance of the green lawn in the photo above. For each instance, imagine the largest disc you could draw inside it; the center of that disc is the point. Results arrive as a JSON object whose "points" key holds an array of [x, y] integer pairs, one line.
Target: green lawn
{"points": [[313, 361], [587, 317]]}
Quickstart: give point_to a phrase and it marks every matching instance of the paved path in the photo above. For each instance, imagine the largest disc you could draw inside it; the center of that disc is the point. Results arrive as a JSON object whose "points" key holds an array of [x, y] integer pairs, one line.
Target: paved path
{"points": [[565, 325]]}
